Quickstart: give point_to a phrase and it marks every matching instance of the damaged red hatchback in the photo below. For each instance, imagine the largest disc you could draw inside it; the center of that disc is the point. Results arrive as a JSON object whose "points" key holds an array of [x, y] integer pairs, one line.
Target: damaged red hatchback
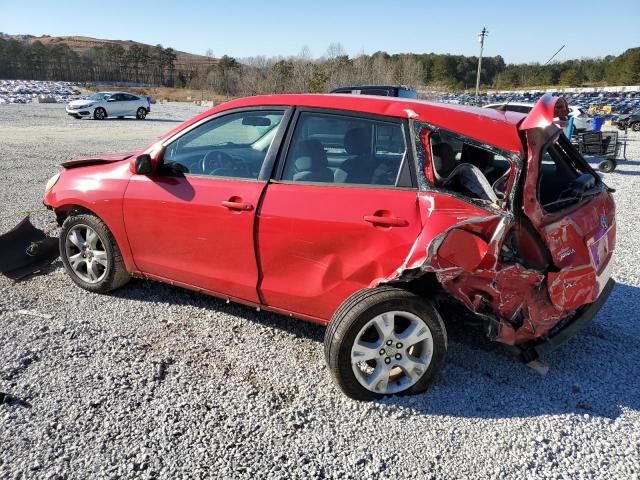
{"points": [[377, 216]]}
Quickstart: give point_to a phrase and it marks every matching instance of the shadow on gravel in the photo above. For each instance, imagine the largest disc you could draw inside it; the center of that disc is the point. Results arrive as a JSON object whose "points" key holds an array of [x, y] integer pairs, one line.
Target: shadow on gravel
{"points": [[150, 291], [595, 373], [165, 120], [625, 172]]}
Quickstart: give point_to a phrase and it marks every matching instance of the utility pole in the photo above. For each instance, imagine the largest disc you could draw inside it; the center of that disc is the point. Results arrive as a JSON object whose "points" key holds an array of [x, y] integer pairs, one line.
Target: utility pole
{"points": [[483, 33]]}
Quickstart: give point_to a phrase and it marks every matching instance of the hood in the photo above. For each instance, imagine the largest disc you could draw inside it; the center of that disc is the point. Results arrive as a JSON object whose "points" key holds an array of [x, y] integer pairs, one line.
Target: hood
{"points": [[97, 159], [82, 103]]}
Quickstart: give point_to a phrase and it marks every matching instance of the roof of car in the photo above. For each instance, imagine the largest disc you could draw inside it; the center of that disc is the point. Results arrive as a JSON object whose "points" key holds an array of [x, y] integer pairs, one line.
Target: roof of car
{"points": [[485, 125], [357, 87]]}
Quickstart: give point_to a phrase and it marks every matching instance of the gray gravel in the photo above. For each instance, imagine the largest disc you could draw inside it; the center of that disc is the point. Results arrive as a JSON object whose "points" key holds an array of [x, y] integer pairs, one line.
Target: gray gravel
{"points": [[158, 382]]}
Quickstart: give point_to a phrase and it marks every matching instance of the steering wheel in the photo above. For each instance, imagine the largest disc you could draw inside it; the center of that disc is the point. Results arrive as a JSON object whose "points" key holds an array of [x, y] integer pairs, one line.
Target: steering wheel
{"points": [[216, 160]]}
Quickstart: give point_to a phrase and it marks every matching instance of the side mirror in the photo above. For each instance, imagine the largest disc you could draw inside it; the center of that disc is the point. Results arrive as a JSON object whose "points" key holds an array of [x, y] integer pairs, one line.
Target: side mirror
{"points": [[143, 165]]}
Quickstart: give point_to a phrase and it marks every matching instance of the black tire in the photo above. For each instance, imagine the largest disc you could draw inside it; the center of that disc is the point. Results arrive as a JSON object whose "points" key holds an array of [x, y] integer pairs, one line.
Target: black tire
{"points": [[607, 166], [115, 274], [635, 126], [99, 113], [353, 315], [141, 114]]}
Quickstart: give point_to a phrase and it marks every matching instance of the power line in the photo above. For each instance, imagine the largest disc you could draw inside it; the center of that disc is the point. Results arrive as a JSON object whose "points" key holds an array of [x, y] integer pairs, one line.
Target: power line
{"points": [[554, 54]]}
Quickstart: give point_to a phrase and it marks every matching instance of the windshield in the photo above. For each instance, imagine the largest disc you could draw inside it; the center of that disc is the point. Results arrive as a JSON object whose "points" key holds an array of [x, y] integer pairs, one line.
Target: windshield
{"points": [[99, 96]]}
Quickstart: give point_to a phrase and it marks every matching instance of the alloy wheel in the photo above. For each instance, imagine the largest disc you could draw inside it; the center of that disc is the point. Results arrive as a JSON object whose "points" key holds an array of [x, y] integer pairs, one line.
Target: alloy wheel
{"points": [[392, 352], [86, 253]]}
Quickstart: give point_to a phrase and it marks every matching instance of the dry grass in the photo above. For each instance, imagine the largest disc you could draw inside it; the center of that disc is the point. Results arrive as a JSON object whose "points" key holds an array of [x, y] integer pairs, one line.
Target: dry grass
{"points": [[164, 93]]}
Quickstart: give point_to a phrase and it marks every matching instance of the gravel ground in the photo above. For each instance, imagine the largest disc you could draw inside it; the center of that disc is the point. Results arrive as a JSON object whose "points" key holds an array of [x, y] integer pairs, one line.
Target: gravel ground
{"points": [[158, 382]]}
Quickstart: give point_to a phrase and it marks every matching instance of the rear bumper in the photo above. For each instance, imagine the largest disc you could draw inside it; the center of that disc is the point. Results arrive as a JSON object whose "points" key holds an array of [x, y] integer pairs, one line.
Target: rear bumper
{"points": [[560, 334]]}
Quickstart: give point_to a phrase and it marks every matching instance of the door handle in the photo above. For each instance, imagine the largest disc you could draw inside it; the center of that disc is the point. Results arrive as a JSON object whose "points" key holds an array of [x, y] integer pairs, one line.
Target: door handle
{"points": [[386, 221], [237, 205]]}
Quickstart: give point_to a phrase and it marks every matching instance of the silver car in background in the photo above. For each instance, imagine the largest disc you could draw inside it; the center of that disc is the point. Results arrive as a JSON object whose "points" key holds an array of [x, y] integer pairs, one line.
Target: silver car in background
{"points": [[101, 105]]}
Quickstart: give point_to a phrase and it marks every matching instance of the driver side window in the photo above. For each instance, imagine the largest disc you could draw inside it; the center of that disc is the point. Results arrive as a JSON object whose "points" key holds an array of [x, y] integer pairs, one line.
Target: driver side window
{"points": [[233, 145]]}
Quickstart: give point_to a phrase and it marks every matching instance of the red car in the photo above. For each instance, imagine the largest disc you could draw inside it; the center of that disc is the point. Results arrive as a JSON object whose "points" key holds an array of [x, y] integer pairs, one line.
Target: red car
{"points": [[375, 216]]}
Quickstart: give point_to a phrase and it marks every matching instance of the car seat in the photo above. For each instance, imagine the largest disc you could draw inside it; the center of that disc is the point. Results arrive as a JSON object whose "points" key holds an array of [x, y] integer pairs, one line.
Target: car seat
{"points": [[310, 163], [464, 178], [360, 167]]}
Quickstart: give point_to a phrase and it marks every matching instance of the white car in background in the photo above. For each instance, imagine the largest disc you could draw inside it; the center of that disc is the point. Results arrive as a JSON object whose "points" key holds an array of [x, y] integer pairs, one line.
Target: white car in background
{"points": [[101, 105], [581, 119]]}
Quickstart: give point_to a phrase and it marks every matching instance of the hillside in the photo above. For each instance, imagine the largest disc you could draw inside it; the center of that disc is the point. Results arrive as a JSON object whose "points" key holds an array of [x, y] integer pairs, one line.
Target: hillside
{"points": [[184, 60]]}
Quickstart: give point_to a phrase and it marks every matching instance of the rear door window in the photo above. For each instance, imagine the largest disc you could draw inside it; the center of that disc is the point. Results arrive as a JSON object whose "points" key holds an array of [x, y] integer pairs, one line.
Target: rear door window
{"points": [[340, 149]]}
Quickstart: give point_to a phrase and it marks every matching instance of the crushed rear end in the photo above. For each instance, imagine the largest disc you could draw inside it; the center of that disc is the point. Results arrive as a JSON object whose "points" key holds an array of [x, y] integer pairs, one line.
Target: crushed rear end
{"points": [[534, 269]]}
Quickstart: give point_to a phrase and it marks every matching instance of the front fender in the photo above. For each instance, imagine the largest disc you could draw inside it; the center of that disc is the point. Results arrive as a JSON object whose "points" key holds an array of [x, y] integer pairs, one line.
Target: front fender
{"points": [[98, 189]]}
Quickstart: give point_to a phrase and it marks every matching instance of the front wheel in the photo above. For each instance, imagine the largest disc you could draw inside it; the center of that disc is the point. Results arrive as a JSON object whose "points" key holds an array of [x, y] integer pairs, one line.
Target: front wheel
{"points": [[90, 254], [141, 114], [385, 341], [635, 126], [100, 113]]}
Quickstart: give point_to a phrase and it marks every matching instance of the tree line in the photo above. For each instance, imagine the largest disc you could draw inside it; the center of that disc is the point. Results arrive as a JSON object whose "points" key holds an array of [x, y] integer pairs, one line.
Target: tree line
{"points": [[302, 73], [108, 62]]}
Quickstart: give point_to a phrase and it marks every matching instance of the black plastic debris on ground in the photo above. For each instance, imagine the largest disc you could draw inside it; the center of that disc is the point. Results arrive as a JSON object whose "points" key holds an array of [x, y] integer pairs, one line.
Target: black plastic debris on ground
{"points": [[26, 249], [10, 400]]}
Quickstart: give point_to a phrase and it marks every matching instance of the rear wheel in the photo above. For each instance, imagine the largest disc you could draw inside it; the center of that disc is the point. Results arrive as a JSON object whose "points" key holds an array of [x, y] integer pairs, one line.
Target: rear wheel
{"points": [[141, 114], [635, 126], [385, 341], [90, 254], [100, 113]]}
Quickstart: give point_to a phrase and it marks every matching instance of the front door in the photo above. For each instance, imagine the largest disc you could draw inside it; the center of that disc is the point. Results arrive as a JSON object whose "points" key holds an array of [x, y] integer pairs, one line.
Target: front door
{"points": [[192, 222], [342, 214]]}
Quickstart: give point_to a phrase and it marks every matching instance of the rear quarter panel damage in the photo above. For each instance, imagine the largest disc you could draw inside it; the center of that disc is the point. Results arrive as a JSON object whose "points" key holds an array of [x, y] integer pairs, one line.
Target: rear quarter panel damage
{"points": [[468, 249]]}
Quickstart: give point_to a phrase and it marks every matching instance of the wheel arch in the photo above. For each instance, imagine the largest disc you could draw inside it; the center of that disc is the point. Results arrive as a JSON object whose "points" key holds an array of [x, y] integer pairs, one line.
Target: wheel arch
{"points": [[67, 210]]}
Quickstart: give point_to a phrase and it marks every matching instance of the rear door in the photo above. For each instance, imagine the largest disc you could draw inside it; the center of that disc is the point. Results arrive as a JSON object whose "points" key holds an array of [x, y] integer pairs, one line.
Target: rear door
{"points": [[130, 104], [341, 213], [116, 105]]}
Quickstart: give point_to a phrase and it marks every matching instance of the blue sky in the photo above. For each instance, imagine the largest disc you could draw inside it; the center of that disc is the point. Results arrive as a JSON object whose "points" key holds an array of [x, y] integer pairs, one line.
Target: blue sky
{"points": [[519, 31]]}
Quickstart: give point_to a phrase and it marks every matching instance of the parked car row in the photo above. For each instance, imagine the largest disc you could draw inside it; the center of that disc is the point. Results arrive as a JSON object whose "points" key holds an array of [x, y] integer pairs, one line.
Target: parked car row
{"points": [[26, 91], [617, 102]]}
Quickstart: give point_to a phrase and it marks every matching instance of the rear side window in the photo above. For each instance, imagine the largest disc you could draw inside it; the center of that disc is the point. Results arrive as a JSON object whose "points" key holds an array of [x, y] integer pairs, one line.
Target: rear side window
{"points": [[469, 169], [339, 149], [518, 108]]}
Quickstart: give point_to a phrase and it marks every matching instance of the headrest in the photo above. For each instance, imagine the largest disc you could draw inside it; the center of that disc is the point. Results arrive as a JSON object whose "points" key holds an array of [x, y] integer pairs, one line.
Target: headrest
{"points": [[444, 160], [310, 155], [357, 141]]}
